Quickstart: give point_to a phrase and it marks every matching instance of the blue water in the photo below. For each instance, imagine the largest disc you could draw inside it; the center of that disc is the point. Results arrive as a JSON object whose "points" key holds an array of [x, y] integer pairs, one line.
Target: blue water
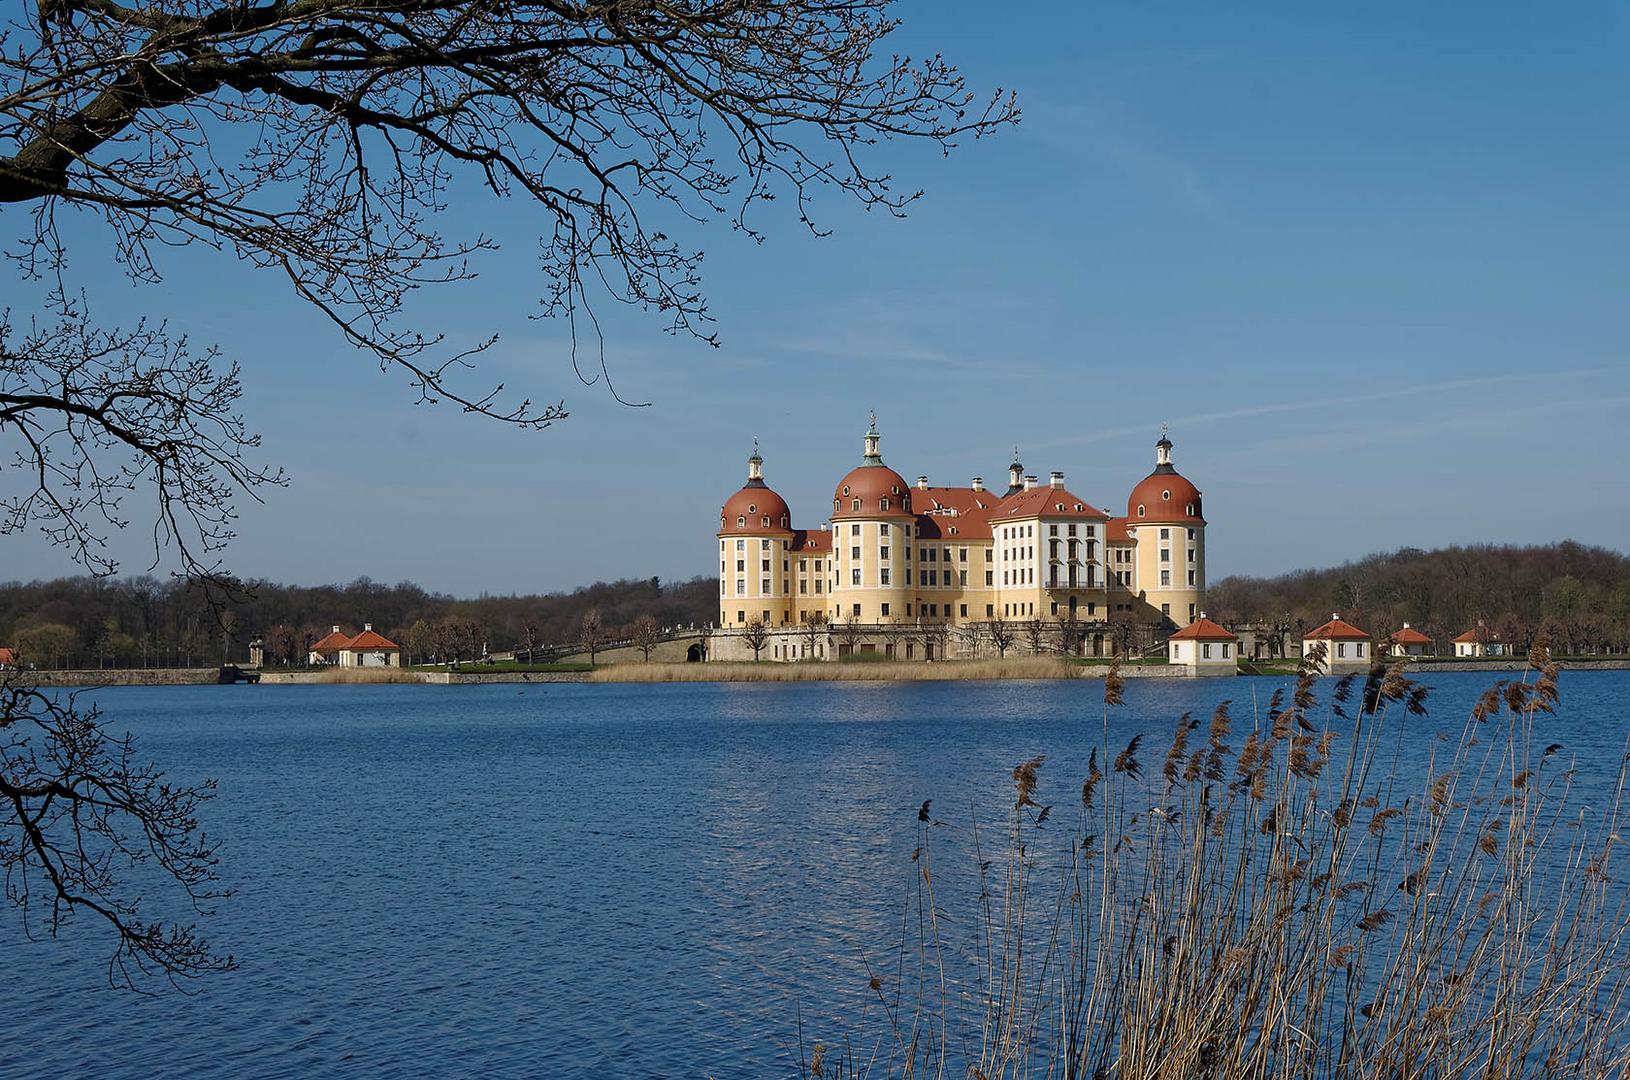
{"points": [[585, 881]]}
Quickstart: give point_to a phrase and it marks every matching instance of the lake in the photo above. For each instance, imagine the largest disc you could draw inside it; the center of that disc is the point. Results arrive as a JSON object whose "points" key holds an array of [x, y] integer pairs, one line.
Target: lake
{"points": [[589, 881]]}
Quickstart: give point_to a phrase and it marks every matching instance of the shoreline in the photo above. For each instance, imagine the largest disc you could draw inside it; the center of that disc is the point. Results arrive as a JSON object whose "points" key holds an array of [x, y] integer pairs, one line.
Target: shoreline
{"points": [[1017, 668]]}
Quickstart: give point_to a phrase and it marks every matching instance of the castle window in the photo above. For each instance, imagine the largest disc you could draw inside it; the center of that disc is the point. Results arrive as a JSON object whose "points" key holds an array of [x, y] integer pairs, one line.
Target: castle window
{"points": [[854, 553], [895, 489], [741, 566], [883, 529], [1140, 509], [1191, 578], [854, 530], [883, 579], [854, 576], [741, 545], [885, 607], [857, 504], [1165, 496], [783, 521], [741, 521], [766, 521], [752, 508], [846, 490], [883, 504], [1190, 509]]}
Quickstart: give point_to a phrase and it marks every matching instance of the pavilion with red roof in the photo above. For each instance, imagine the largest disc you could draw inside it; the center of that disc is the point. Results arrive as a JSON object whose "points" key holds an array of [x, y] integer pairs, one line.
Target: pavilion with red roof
{"points": [[1346, 647], [1205, 648], [367, 649]]}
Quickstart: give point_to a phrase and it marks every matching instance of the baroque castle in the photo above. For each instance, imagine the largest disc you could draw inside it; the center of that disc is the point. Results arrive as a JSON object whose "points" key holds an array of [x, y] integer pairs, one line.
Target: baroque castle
{"points": [[903, 567]]}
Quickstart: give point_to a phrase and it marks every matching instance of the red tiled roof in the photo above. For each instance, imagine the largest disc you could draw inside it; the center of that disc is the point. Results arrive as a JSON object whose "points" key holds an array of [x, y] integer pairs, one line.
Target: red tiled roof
{"points": [[1336, 630], [872, 485], [941, 509], [1203, 629], [751, 506], [1046, 501], [333, 641], [811, 540], [1409, 636], [1476, 635], [370, 640], [1166, 497], [1115, 531], [7, 656]]}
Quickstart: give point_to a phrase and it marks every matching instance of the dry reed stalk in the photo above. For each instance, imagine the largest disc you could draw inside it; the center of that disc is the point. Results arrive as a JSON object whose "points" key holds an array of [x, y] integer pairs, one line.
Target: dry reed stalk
{"points": [[1311, 906]]}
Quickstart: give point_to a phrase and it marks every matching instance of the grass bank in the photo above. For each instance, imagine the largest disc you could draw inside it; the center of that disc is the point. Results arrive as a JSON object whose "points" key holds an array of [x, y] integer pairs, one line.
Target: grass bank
{"points": [[1027, 667]]}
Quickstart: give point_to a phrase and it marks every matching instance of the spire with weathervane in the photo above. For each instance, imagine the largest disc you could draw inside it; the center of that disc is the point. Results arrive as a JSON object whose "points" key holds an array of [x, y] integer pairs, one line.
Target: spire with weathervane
{"points": [[1015, 474], [755, 468], [1163, 453], [872, 456]]}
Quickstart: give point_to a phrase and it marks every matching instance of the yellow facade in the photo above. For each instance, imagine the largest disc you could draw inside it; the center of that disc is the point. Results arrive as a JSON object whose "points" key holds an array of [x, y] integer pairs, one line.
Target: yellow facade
{"points": [[896, 557]]}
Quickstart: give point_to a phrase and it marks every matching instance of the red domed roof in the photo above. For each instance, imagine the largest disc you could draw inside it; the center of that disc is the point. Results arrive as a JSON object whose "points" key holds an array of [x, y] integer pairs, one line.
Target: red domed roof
{"points": [[882, 493], [1165, 497], [755, 509]]}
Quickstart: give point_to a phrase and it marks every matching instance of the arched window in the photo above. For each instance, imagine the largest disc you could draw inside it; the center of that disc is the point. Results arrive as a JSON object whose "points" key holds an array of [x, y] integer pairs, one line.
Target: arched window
{"points": [[882, 504], [752, 508], [1140, 509], [846, 490], [857, 501], [741, 521], [1165, 496], [766, 521], [1191, 510], [783, 521]]}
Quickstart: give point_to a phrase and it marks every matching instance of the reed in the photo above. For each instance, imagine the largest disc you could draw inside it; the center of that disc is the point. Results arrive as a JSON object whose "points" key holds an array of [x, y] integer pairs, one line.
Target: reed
{"points": [[1027, 667], [1274, 898]]}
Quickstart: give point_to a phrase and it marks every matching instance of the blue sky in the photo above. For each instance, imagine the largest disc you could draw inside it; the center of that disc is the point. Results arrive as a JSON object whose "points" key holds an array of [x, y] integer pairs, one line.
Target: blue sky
{"points": [[1369, 262]]}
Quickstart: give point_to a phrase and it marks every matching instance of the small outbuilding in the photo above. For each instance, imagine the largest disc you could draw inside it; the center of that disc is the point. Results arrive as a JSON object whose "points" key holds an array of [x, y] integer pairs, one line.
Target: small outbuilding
{"points": [[1346, 647], [367, 649], [1481, 641], [1205, 648], [1409, 642]]}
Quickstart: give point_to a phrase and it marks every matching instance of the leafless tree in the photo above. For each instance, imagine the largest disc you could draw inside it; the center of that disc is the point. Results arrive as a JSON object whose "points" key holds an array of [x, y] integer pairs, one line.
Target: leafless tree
{"points": [[814, 629], [934, 636], [529, 637], [849, 633], [1035, 632], [645, 633], [1068, 634], [756, 636], [592, 632], [1123, 634], [704, 638], [87, 810], [318, 141], [1001, 635]]}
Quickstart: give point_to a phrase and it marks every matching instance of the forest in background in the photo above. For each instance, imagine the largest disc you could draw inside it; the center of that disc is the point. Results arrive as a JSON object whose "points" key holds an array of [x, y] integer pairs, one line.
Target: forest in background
{"points": [[149, 622], [1578, 596]]}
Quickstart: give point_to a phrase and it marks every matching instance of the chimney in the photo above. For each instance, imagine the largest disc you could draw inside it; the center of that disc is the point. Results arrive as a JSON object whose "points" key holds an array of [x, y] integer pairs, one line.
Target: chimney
{"points": [[336, 629], [978, 483], [1056, 479], [922, 483], [1203, 615], [1334, 615], [1406, 625], [1029, 482], [367, 626]]}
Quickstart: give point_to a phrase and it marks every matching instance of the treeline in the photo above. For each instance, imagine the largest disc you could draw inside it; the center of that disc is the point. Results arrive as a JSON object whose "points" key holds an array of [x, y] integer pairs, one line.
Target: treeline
{"points": [[150, 622], [1577, 596]]}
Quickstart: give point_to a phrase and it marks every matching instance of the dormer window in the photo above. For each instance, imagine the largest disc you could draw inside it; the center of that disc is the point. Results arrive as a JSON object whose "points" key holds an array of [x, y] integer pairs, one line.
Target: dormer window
{"points": [[766, 521], [883, 504], [1191, 510], [1140, 509], [1165, 496], [741, 521], [846, 490], [783, 521], [857, 501], [895, 489]]}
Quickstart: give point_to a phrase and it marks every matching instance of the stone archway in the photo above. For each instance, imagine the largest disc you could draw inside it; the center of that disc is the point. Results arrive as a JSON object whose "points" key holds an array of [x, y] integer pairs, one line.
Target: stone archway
{"points": [[695, 654]]}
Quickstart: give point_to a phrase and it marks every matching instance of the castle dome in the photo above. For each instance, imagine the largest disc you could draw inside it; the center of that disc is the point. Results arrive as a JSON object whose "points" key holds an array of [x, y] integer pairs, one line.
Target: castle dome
{"points": [[756, 509], [1165, 496], [871, 489]]}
